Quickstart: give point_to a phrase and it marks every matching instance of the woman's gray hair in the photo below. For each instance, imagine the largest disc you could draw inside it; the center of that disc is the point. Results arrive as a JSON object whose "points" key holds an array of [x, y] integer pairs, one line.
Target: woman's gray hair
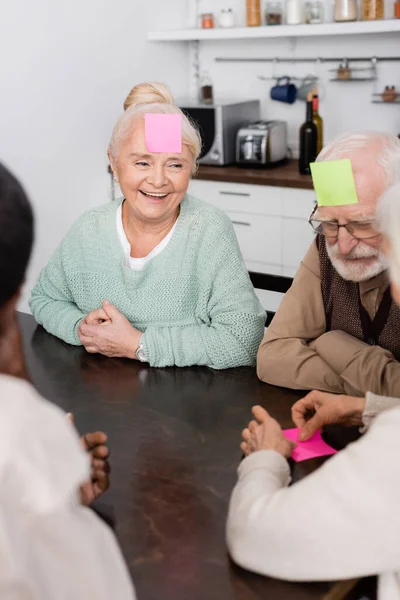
{"points": [[388, 213], [387, 154], [124, 125]]}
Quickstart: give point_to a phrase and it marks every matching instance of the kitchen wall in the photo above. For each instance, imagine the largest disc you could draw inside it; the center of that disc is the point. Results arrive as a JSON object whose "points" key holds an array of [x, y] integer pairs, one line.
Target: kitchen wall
{"points": [[344, 105], [66, 68]]}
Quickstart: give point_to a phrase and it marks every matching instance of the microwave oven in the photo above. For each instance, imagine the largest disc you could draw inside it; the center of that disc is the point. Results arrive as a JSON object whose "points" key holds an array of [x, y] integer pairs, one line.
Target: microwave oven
{"points": [[218, 125]]}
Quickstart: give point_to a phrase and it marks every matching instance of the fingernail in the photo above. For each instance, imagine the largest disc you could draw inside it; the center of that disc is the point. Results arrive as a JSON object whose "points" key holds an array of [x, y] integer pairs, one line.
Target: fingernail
{"points": [[301, 437]]}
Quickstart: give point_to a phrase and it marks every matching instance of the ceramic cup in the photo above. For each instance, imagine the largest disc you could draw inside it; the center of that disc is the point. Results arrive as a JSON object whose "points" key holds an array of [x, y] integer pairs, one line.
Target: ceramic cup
{"points": [[284, 91], [307, 84]]}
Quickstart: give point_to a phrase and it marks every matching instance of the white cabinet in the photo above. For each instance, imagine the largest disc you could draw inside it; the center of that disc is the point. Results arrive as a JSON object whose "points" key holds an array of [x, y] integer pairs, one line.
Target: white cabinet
{"points": [[270, 224]]}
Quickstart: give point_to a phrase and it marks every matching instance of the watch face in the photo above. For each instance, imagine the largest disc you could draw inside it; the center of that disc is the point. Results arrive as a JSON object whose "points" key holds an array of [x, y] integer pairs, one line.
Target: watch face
{"points": [[140, 354]]}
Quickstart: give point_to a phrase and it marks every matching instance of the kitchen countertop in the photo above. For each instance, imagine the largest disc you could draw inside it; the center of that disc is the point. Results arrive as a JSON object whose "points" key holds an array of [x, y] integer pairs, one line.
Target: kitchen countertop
{"points": [[283, 175]]}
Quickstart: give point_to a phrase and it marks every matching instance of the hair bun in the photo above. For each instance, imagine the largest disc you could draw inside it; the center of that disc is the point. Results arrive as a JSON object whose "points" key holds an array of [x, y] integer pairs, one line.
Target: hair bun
{"points": [[148, 93]]}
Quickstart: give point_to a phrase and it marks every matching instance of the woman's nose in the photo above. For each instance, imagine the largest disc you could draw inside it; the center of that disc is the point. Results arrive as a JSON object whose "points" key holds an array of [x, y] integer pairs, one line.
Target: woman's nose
{"points": [[158, 177]]}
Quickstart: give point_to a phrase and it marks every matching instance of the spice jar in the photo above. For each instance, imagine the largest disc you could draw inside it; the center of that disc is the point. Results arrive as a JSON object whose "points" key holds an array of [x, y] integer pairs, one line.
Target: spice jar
{"points": [[226, 18], [273, 13], [207, 21], [253, 13], [344, 71], [397, 9], [372, 10], [206, 88], [389, 94], [294, 12], [314, 12], [345, 10]]}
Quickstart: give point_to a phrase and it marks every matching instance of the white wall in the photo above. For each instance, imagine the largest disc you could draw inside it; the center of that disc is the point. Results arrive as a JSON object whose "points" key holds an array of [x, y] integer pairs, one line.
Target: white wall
{"points": [[344, 105], [66, 67]]}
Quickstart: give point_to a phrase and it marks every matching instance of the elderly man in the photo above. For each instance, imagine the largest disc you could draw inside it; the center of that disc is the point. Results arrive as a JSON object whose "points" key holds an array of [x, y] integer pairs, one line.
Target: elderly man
{"points": [[337, 328]]}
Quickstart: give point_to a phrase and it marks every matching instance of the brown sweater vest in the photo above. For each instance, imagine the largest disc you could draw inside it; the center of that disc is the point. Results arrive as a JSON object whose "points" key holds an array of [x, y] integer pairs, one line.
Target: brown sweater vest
{"points": [[345, 312]]}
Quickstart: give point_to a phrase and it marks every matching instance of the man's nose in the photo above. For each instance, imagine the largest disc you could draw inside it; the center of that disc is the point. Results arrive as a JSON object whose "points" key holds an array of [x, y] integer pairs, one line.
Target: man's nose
{"points": [[346, 242]]}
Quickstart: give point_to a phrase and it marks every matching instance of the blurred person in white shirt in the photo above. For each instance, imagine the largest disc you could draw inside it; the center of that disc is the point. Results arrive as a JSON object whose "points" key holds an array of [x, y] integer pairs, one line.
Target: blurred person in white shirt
{"points": [[52, 546], [343, 520]]}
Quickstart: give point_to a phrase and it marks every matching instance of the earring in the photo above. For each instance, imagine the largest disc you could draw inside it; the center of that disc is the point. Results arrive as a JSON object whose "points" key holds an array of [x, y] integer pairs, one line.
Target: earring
{"points": [[115, 179]]}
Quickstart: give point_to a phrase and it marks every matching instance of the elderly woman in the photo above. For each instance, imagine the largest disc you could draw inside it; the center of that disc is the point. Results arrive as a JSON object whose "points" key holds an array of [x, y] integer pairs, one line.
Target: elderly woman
{"points": [[343, 520], [156, 276]]}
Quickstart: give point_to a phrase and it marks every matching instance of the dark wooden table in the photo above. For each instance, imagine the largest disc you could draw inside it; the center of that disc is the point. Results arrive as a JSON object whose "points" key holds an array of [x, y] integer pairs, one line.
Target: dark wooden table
{"points": [[174, 436]]}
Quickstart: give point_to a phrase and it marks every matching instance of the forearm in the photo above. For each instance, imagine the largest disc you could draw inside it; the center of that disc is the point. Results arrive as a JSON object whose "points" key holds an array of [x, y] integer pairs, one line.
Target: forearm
{"points": [[58, 317], [331, 525], [294, 364], [374, 405], [216, 345], [361, 367]]}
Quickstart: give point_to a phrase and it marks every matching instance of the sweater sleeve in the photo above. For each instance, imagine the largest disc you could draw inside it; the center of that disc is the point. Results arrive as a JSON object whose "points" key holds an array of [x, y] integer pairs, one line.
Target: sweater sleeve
{"points": [[235, 320], [340, 522], [51, 301]]}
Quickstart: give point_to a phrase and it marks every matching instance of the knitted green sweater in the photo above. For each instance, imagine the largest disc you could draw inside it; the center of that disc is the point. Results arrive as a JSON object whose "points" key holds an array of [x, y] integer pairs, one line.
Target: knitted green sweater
{"points": [[194, 301]]}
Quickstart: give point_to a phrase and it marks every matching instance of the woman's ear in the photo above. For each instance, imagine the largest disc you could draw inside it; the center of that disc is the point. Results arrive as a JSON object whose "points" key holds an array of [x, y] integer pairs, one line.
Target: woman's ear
{"points": [[112, 165]]}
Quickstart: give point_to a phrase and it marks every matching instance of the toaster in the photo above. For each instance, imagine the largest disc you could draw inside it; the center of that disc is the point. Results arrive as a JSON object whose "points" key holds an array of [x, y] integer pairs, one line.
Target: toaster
{"points": [[261, 143]]}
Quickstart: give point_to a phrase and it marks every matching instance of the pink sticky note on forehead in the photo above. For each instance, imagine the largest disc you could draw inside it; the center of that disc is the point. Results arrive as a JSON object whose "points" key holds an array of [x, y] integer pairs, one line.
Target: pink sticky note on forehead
{"points": [[163, 133], [312, 448]]}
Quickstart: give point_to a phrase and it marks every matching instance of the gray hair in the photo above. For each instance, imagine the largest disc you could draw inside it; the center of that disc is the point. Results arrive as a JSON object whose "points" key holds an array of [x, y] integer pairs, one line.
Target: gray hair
{"points": [[387, 154], [124, 125], [388, 213]]}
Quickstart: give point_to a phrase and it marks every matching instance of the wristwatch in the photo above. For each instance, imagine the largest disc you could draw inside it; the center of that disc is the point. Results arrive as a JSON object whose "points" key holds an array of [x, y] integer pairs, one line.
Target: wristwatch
{"points": [[140, 354]]}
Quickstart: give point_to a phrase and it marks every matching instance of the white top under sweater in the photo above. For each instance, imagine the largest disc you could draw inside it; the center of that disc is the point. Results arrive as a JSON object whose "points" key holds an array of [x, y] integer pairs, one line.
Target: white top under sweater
{"points": [[138, 264], [340, 522]]}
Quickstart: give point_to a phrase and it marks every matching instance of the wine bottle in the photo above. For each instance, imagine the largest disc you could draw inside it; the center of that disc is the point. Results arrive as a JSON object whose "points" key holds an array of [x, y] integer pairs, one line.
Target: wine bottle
{"points": [[308, 140], [317, 119]]}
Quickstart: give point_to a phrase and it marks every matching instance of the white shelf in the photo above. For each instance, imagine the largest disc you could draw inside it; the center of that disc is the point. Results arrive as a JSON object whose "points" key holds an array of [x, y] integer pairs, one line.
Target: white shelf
{"points": [[271, 31]]}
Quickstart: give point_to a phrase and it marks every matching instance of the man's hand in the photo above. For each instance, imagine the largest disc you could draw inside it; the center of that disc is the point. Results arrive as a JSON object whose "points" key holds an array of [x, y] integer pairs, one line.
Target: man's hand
{"points": [[112, 337], [325, 409], [95, 445], [264, 433]]}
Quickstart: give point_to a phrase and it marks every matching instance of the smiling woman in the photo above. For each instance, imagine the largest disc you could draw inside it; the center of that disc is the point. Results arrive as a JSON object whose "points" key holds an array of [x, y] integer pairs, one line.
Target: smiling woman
{"points": [[156, 276]]}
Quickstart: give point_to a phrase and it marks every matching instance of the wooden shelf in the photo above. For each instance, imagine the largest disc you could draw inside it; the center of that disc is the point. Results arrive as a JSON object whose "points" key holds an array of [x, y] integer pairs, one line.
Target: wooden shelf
{"points": [[237, 33]]}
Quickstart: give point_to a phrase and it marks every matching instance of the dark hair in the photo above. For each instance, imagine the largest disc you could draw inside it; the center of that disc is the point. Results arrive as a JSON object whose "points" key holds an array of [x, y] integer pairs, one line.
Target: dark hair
{"points": [[16, 234]]}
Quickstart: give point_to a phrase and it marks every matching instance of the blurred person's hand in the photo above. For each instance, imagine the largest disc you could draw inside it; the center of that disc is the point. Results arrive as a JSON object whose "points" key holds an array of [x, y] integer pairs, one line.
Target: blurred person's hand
{"points": [[320, 408], [265, 433], [95, 444]]}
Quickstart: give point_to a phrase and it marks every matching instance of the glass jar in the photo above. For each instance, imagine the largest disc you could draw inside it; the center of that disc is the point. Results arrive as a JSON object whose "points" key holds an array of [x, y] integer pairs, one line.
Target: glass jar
{"points": [[345, 10], [372, 10], [206, 88], [273, 13], [314, 12], [226, 18], [294, 12], [207, 21], [253, 13]]}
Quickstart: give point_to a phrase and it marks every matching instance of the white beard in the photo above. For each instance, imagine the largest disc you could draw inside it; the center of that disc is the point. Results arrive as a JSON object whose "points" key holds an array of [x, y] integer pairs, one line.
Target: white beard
{"points": [[357, 271]]}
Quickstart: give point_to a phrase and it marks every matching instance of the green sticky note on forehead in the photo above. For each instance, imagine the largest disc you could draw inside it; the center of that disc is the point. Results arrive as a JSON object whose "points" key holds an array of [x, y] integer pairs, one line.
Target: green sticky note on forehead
{"points": [[334, 182]]}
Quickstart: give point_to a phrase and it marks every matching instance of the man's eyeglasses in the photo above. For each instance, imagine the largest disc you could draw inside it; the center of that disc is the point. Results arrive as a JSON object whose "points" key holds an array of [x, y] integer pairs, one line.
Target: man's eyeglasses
{"points": [[361, 230]]}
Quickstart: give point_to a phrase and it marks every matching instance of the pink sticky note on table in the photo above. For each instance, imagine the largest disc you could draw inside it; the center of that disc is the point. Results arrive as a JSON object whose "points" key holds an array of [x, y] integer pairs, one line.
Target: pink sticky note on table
{"points": [[163, 133], [313, 447]]}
